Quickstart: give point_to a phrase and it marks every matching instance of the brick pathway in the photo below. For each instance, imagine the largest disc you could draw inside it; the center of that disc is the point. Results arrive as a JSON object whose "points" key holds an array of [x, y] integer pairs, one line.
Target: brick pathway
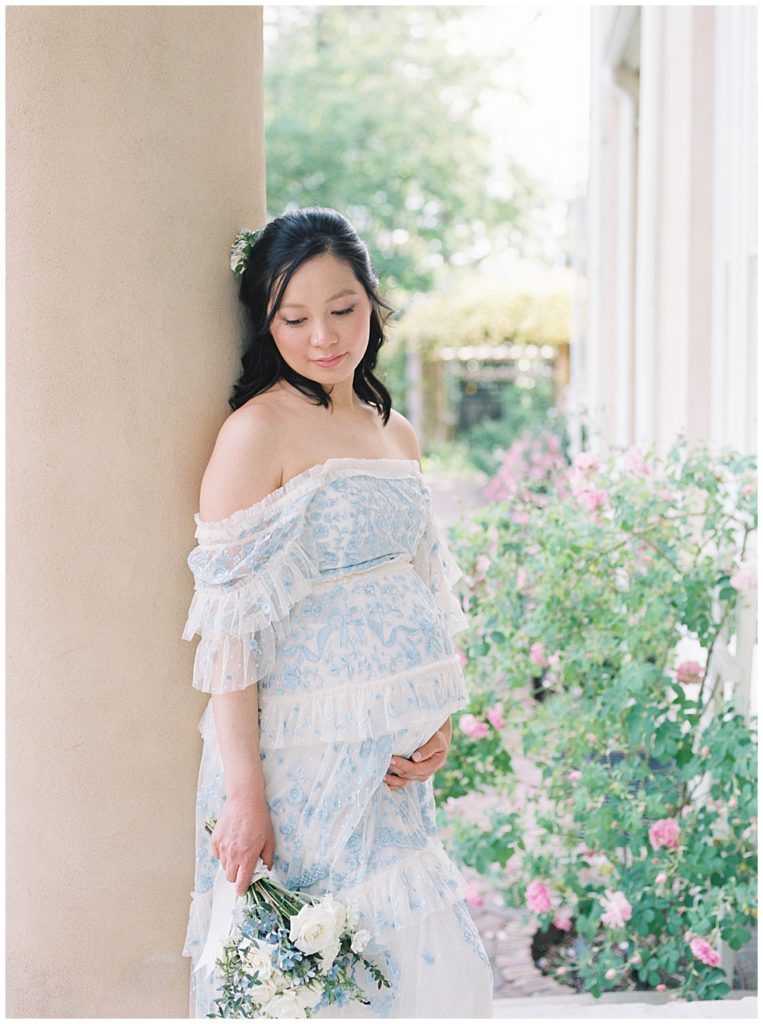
{"points": [[507, 943]]}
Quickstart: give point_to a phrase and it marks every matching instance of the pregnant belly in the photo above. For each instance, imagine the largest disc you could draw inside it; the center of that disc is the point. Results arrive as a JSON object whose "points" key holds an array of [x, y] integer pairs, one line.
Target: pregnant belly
{"points": [[357, 628]]}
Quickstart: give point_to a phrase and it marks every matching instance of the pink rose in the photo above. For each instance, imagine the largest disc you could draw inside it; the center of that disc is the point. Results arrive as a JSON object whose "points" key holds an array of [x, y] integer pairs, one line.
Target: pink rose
{"points": [[522, 578], [610, 974], [593, 499], [538, 655], [483, 563], [538, 897], [461, 658], [553, 659], [744, 579], [574, 775], [704, 751], [665, 832], [472, 895], [661, 879], [617, 909], [496, 717], [635, 462], [689, 672], [563, 919], [661, 987], [473, 727], [585, 462]]}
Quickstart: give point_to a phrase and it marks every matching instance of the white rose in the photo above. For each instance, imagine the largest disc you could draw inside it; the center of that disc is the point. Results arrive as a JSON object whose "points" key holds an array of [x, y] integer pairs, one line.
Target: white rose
{"points": [[314, 928], [260, 958], [360, 940], [328, 956], [339, 910], [285, 1005], [309, 995], [266, 989]]}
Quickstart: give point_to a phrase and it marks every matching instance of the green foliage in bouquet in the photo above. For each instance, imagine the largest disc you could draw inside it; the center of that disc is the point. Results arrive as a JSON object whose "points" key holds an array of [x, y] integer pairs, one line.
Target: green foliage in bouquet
{"points": [[637, 836]]}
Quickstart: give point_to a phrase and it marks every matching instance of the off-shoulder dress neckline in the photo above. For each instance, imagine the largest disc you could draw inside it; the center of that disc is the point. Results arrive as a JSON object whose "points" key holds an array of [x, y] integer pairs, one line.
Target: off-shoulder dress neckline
{"points": [[409, 466]]}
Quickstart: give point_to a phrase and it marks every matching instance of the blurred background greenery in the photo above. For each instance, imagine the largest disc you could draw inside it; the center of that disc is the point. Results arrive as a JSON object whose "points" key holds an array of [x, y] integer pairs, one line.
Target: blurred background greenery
{"points": [[413, 122]]}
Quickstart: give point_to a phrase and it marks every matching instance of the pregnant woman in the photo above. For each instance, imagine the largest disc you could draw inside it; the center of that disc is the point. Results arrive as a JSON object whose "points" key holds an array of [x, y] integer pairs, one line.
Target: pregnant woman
{"points": [[324, 605]]}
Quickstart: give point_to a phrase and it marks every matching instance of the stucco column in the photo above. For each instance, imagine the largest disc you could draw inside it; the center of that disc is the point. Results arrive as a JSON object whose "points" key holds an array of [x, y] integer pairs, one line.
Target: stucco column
{"points": [[134, 154]]}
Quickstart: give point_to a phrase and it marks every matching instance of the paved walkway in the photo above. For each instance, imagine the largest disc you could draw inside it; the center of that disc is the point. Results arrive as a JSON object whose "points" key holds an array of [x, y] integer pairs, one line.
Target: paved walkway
{"points": [[618, 1006]]}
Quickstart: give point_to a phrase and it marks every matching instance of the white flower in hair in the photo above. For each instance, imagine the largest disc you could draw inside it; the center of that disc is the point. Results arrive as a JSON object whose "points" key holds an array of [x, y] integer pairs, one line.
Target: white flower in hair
{"points": [[241, 249]]}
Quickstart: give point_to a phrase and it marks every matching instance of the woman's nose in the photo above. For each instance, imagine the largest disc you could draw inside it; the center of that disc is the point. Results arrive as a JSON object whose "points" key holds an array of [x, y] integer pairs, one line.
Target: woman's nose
{"points": [[323, 335]]}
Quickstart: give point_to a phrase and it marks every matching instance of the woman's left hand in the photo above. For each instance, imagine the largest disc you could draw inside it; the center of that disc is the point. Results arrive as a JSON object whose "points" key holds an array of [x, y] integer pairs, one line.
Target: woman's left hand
{"points": [[422, 763]]}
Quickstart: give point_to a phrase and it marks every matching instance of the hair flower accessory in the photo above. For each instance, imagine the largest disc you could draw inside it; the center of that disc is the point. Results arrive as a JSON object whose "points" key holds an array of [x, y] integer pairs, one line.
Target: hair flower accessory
{"points": [[241, 249]]}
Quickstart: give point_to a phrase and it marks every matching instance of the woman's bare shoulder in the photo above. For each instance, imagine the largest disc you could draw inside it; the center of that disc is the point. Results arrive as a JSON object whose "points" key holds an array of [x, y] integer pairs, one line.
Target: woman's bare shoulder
{"points": [[404, 435], [245, 462]]}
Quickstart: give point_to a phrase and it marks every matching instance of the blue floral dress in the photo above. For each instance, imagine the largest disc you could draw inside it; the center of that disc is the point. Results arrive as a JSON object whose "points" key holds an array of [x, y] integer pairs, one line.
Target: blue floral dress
{"points": [[333, 595]]}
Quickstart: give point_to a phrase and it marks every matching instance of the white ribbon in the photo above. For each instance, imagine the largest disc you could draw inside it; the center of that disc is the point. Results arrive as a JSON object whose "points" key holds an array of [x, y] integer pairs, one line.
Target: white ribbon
{"points": [[225, 906]]}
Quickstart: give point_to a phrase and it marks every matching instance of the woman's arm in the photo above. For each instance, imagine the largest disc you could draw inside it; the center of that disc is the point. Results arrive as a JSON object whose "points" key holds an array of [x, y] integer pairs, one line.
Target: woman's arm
{"points": [[244, 831], [236, 477]]}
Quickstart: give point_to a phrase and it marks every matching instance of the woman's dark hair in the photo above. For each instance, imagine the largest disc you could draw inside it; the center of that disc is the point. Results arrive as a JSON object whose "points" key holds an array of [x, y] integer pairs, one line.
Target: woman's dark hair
{"points": [[285, 244]]}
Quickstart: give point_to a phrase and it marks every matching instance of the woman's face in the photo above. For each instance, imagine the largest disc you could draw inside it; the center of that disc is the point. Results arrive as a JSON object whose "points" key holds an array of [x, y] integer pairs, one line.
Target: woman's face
{"points": [[323, 323]]}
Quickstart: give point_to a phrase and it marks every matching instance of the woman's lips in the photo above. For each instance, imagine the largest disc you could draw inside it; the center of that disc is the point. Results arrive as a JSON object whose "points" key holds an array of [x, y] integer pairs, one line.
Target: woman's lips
{"points": [[329, 362]]}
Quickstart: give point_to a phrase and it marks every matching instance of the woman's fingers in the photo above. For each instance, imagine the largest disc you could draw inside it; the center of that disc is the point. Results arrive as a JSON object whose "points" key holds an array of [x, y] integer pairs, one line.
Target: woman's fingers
{"points": [[268, 852], [402, 770]]}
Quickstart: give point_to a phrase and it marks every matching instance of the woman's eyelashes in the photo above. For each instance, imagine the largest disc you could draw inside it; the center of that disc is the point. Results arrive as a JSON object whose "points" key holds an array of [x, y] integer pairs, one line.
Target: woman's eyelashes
{"points": [[337, 312]]}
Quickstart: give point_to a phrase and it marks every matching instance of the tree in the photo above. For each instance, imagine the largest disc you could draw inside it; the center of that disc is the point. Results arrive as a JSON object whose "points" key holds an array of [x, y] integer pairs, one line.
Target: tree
{"points": [[371, 110]]}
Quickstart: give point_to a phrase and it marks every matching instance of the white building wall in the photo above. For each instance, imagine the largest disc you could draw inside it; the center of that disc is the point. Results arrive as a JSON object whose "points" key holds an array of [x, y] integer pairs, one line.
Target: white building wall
{"points": [[671, 247]]}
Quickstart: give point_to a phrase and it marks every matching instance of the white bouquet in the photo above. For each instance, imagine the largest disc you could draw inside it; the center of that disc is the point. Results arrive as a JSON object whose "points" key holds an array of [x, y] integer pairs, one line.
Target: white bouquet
{"points": [[289, 953]]}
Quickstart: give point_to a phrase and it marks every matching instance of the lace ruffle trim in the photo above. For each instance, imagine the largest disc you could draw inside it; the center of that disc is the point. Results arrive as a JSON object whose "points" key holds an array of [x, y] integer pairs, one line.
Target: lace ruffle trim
{"points": [[397, 896], [220, 530], [358, 711], [409, 890], [241, 625]]}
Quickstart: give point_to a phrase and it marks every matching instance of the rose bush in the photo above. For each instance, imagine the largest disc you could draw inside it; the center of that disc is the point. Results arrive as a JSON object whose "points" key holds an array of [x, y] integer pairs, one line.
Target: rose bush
{"points": [[607, 597]]}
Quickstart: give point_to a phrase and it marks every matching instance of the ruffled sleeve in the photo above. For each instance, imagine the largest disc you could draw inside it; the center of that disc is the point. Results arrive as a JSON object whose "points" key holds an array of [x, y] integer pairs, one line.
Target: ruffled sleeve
{"points": [[439, 570], [249, 569]]}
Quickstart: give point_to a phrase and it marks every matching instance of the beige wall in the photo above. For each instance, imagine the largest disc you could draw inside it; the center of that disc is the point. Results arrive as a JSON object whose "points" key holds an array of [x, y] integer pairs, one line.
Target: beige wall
{"points": [[134, 155]]}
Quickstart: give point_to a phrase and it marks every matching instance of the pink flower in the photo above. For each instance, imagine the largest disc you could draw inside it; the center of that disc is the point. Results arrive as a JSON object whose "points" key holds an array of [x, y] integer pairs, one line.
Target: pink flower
{"points": [[689, 672], [635, 462], [661, 987], [563, 919], [665, 832], [538, 655], [661, 878], [585, 462], [522, 579], [744, 579], [553, 659], [574, 775], [610, 974], [473, 727], [462, 659], [704, 751], [483, 563], [617, 909], [593, 498], [496, 716], [538, 897], [591, 737], [472, 895]]}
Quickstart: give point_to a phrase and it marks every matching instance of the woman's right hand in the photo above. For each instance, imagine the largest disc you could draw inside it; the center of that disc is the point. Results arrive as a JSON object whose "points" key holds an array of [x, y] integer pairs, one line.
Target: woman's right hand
{"points": [[243, 834]]}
